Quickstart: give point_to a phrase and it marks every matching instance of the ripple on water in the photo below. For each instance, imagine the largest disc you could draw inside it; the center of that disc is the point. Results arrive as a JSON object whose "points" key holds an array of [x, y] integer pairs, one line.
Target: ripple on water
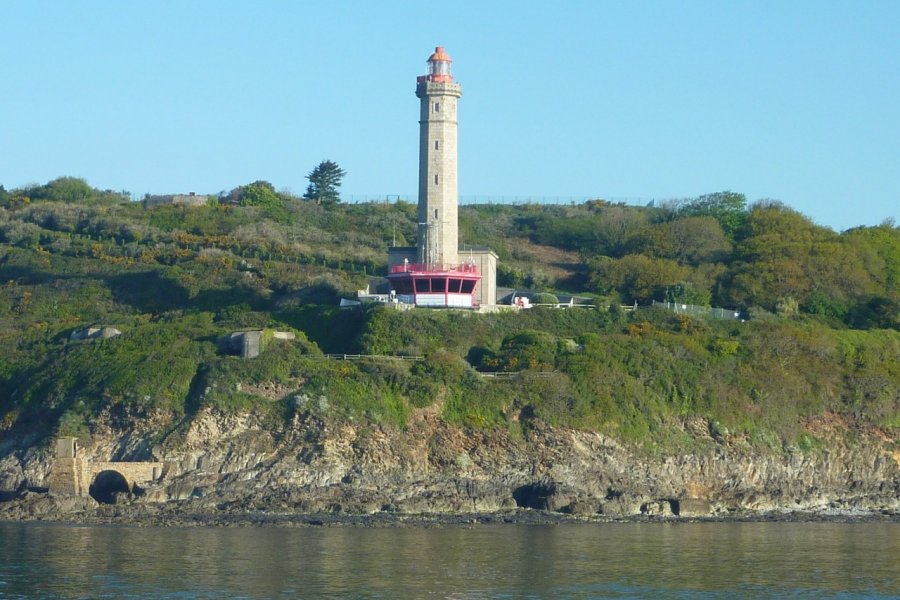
{"points": [[700, 560]]}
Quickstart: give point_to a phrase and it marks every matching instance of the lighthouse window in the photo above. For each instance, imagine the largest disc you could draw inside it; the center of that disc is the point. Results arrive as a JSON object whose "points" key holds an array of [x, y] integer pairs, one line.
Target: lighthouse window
{"points": [[422, 285], [467, 286], [435, 180], [437, 107], [438, 284], [437, 145], [454, 286]]}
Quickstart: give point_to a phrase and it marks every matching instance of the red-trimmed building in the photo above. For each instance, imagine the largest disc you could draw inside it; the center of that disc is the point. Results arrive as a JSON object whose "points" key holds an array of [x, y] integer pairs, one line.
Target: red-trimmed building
{"points": [[434, 285]]}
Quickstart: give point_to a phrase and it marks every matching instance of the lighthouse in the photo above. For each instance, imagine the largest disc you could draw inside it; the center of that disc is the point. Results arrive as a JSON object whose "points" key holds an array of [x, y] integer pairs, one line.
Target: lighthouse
{"points": [[438, 272], [438, 97]]}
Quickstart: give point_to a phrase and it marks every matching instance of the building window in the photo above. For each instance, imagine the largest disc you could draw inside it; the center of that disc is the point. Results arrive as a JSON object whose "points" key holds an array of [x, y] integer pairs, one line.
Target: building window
{"points": [[405, 286], [435, 180], [437, 107], [437, 145]]}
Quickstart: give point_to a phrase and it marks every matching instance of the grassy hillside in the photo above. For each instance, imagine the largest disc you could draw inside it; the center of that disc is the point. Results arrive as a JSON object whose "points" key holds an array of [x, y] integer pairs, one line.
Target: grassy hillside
{"points": [[822, 338]]}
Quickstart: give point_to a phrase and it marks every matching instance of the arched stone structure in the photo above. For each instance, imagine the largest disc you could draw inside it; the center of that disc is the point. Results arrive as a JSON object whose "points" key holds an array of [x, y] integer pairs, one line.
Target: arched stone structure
{"points": [[106, 484], [75, 475]]}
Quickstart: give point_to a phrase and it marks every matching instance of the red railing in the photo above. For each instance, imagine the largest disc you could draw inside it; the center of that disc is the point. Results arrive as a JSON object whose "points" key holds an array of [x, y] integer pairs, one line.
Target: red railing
{"points": [[466, 268]]}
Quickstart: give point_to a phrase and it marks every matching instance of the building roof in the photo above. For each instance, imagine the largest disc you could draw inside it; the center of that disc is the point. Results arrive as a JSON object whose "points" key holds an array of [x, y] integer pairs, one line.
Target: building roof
{"points": [[439, 55]]}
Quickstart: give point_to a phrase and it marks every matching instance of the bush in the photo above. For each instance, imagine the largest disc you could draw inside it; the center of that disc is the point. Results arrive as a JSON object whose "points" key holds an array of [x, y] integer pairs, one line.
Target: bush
{"points": [[528, 350], [544, 298], [18, 233]]}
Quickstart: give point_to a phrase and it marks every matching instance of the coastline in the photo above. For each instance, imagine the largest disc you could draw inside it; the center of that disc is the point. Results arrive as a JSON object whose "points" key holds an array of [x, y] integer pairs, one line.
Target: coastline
{"points": [[39, 507], [229, 470]]}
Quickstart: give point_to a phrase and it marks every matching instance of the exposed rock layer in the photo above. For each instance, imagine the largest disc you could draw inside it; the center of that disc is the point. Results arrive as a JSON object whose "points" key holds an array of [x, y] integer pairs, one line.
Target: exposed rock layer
{"points": [[241, 463]]}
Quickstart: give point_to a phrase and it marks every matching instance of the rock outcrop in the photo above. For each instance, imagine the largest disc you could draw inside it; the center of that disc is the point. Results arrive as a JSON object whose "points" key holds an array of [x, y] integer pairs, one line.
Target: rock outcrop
{"points": [[242, 462]]}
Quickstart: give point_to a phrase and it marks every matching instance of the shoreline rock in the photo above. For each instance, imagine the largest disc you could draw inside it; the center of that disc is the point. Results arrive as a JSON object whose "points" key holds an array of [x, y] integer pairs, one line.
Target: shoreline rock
{"points": [[44, 507], [237, 464]]}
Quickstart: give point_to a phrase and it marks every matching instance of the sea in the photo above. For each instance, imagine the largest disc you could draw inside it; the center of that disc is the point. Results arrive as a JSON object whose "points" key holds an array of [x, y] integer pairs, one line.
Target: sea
{"points": [[597, 560]]}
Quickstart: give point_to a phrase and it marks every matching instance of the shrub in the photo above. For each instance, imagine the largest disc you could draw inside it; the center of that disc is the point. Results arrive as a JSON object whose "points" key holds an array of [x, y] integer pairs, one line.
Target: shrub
{"points": [[544, 298]]}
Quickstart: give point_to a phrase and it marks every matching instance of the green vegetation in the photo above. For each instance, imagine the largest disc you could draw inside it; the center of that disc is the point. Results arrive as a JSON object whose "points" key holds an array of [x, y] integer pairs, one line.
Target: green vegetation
{"points": [[822, 338], [324, 182]]}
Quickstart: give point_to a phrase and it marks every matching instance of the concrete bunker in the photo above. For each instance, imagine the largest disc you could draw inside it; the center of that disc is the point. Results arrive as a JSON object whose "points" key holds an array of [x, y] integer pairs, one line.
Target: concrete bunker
{"points": [[107, 484]]}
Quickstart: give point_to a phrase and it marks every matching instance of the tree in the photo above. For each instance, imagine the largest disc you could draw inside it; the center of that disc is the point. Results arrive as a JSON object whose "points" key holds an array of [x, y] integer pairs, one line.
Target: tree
{"points": [[617, 228], [64, 189], [528, 349], [691, 240], [324, 182], [728, 208], [879, 248], [258, 193], [635, 276], [784, 254]]}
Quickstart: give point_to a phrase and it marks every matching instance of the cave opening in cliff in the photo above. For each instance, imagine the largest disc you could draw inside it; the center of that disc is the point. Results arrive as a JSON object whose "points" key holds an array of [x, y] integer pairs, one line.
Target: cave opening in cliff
{"points": [[533, 495], [106, 485]]}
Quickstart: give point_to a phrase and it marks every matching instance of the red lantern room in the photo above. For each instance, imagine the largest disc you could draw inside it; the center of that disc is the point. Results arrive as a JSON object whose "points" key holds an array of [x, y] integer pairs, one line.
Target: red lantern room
{"points": [[438, 67]]}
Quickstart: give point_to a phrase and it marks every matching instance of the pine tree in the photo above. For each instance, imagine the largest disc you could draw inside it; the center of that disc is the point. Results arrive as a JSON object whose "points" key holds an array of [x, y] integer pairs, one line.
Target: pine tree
{"points": [[324, 182]]}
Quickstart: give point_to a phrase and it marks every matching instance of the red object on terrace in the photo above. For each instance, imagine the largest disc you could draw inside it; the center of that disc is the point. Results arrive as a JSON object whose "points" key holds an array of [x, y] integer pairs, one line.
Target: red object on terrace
{"points": [[443, 286], [425, 268]]}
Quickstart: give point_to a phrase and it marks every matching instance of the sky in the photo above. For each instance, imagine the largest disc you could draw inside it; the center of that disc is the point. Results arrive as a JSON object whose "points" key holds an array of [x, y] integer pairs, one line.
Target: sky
{"points": [[628, 101]]}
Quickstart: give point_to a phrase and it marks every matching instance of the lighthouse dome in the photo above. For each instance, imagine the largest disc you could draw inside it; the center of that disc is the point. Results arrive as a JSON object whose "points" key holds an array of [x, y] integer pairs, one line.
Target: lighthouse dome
{"points": [[439, 55], [439, 66]]}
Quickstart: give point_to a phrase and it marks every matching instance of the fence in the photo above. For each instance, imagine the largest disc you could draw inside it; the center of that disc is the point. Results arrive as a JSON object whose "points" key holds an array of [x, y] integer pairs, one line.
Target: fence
{"points": [[498, 199], [511, 374], [694, 309], [372, 357]]}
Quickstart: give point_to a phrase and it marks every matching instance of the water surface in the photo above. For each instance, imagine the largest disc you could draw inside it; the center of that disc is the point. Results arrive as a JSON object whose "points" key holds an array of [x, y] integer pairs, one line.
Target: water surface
{"points": [[611, 560]]}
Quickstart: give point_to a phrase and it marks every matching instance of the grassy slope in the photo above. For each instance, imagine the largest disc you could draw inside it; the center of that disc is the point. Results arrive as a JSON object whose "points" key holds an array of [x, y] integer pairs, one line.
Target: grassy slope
{"points": [[175, 281]]}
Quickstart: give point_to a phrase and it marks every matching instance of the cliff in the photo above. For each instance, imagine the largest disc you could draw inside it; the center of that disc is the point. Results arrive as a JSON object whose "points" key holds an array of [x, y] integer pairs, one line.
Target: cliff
{"points": [[238, 463], [609, 408]]}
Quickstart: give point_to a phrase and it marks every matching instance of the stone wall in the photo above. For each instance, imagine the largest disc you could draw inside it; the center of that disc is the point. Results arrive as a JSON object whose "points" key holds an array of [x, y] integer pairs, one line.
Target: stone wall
{"points": [[486, 261], [176, 199], [72, 475], [67, 477]]}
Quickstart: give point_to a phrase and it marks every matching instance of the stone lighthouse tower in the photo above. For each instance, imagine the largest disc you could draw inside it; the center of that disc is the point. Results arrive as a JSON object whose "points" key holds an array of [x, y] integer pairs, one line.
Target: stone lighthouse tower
{"points": [[438, 95], [438, 273]]}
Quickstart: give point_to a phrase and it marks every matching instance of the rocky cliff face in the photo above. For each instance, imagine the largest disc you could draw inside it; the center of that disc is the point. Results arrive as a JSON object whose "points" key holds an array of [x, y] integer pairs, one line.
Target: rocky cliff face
{"points": [[242, 462]]}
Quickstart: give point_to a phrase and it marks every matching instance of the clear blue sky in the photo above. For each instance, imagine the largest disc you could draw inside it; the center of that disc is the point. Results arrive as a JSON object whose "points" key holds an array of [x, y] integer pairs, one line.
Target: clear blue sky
{"points": [[795, 101]]}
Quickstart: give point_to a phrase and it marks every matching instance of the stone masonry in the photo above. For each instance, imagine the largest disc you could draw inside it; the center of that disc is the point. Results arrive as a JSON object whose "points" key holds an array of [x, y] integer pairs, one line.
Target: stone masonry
{"points": [[73, 475], [438, 94]]}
